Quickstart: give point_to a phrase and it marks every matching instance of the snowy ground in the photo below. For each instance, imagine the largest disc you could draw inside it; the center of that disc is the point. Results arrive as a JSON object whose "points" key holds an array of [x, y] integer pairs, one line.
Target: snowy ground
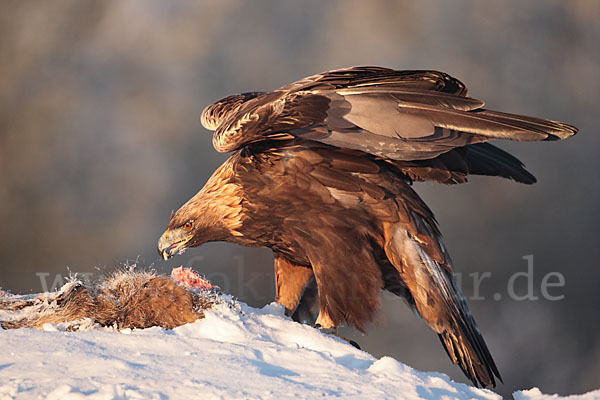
{"points": [[232, 353]]}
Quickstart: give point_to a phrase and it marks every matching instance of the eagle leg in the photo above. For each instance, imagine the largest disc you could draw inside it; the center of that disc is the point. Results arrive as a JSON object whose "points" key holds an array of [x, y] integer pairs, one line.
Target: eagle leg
{"points": [[291, 281]]}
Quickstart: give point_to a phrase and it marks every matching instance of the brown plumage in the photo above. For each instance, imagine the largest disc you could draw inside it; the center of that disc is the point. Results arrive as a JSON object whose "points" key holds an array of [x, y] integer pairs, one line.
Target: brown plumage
{"points": [[321, 173]]}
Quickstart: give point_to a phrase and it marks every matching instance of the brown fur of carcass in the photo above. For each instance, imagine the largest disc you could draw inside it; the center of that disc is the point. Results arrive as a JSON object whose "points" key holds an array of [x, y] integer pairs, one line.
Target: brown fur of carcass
{"points": [[123, 300]]}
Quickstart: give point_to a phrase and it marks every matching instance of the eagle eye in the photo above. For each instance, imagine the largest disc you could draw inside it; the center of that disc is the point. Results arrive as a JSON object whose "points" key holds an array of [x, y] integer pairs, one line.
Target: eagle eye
{"points": [[187, 226]]}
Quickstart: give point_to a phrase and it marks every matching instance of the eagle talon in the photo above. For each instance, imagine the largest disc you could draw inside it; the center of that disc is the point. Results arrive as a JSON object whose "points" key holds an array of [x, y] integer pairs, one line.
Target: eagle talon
{"points": [[333, 331], [329, 331]]}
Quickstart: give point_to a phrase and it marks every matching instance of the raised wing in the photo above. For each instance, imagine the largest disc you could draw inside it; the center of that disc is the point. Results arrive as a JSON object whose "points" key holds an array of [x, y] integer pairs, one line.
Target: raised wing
{"points": [[401, 115]]}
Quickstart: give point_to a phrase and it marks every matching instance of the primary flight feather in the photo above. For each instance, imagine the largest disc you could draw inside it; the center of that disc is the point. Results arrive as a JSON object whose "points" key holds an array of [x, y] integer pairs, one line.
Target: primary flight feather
{"points": [[321, 173]]}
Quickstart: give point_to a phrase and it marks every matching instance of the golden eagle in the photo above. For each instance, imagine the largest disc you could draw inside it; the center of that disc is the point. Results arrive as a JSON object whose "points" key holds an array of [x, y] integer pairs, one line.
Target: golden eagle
{"points": [[321, 173]]}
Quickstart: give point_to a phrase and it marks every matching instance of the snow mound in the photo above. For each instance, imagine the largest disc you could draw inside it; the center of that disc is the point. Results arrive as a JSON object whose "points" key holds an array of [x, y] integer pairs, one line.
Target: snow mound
{"points": [[535, 394], [235, 352]]}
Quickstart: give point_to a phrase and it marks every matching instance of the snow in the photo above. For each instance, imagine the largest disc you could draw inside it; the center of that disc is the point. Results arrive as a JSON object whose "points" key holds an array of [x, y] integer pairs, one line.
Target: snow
{"points": [[535, 394], [235, 352]]}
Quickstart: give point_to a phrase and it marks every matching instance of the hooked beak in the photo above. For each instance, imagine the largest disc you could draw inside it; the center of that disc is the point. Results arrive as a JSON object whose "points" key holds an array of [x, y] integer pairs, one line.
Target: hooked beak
{"points": [[171, 243]]}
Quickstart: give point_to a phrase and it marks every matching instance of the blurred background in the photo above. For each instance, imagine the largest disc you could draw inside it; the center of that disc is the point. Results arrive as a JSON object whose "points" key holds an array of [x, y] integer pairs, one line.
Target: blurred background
{"points": [[100, 138]]}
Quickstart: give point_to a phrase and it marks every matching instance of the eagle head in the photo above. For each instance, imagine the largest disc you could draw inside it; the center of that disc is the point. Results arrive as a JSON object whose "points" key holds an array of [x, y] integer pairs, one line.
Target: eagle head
{"points": [[178, 237], [215, 213]]}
